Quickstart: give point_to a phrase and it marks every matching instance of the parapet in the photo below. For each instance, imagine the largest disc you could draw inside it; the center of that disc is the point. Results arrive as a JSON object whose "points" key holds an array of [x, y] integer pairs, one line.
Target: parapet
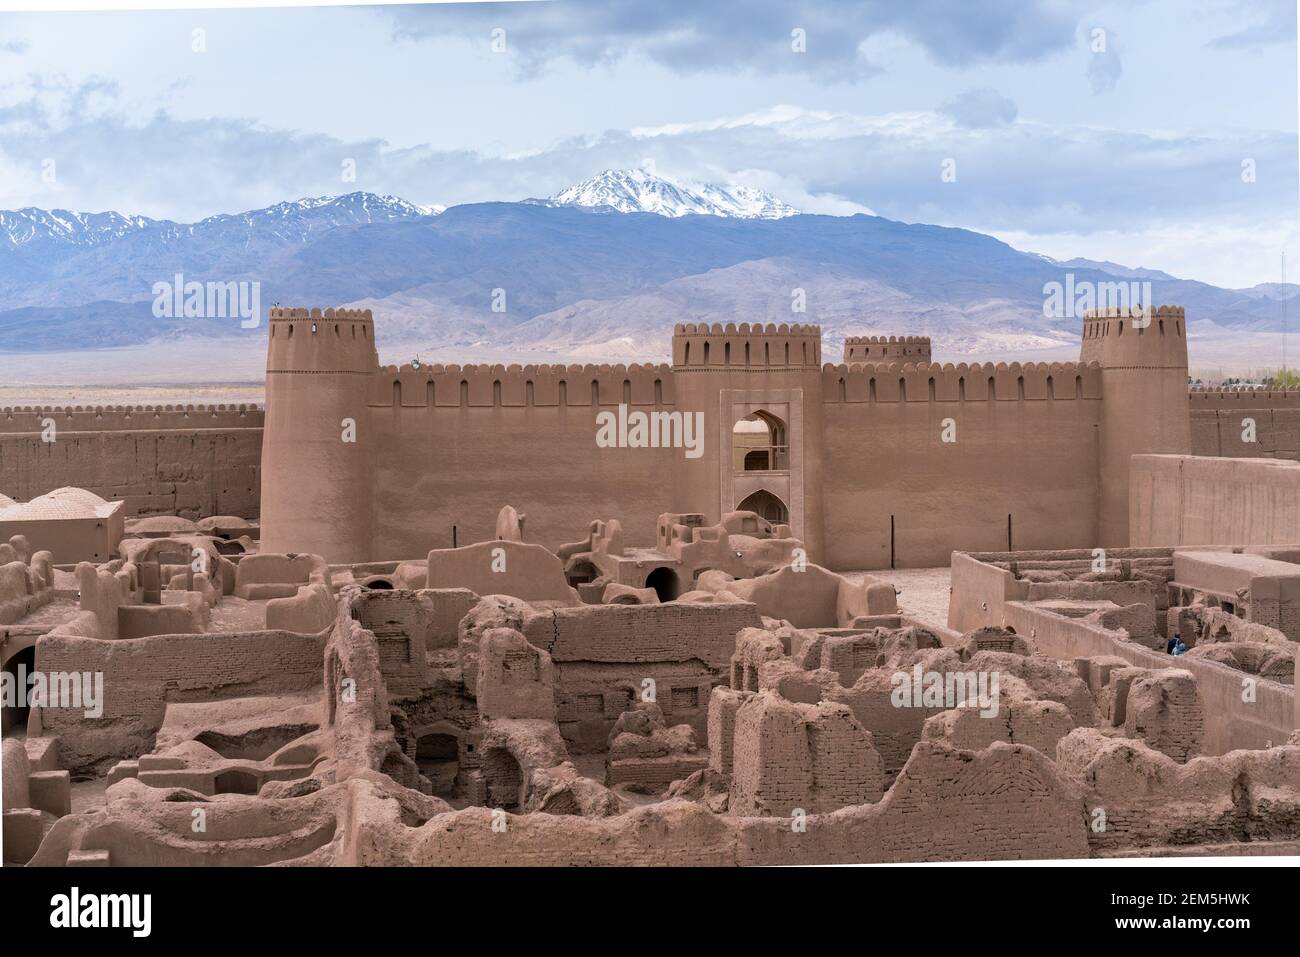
{"points": [[746, 347], [978, 382], [1136, 338], [339, 341], [1243, 397], [516, 386], [286, 314], [887, 349], [129, 418]]}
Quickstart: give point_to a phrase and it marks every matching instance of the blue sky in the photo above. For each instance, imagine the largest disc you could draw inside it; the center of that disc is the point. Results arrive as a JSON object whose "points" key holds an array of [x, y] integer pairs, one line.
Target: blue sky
{"points": [[1133, 154]]}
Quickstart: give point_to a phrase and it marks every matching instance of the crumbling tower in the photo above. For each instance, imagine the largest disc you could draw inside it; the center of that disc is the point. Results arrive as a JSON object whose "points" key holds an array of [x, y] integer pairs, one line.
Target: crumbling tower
{"points": [[1143, 359], [317, 445]]}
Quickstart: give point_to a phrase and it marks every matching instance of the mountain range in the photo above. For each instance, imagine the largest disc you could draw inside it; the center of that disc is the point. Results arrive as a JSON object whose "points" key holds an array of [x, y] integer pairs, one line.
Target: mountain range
{"points": [[600, 270]]}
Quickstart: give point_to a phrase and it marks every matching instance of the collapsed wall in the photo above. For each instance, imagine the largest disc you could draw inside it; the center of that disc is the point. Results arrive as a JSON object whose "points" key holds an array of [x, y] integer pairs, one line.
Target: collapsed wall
{"points": [[142, 675]]}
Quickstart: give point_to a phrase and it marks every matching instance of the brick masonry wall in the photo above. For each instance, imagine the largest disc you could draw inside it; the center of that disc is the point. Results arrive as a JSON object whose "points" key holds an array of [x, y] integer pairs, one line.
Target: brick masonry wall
{"points": [[603, 655], [1007, 802], [142, 675], [191, 462]]}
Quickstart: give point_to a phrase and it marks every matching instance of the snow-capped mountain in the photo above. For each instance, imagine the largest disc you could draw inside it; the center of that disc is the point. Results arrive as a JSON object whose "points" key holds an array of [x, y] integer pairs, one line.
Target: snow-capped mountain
{"points": [[637, 191], [584, 280], [296, 220], [302, 217], [21, 226]]}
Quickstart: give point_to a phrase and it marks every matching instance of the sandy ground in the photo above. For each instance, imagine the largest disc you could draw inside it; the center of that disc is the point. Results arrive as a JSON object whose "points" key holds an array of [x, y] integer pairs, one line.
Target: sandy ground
{"points": [[923, 593], [237, 614]]}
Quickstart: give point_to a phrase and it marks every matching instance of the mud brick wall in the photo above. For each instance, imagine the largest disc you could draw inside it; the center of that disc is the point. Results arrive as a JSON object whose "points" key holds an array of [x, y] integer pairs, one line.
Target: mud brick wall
{"points": [[724, 703], [589, 697], [142, 675], [604, 653], [654, 772], [450, 605], [188, 461], [1163, 709], [1148, 800], [644, 633], [894, 730], [400, 622], [814, 757], [1006, 803]]}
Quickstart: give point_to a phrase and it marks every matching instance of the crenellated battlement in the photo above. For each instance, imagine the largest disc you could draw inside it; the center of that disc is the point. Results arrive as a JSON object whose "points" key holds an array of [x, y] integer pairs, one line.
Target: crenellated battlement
{"points": [[1152, 338], [934, 382], [288, 314], [754, 347], [886, 340], [1242, 397], [449, 386], [111, 418], [885, 348], [333, 341]]}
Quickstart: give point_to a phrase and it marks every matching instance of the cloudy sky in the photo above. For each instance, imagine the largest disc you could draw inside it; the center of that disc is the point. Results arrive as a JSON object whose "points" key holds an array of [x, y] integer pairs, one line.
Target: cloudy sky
{"points": [[1160, 133]]}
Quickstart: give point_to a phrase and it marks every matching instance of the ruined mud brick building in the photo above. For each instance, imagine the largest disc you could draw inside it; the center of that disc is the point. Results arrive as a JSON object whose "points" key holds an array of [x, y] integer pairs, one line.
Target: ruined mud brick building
{"points": [[691, 682]]}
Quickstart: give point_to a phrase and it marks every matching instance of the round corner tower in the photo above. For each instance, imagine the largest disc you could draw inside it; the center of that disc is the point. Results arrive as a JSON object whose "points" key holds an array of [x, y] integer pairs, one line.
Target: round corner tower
{"points": [[316, 460], [1143, 360], [759, 387]]}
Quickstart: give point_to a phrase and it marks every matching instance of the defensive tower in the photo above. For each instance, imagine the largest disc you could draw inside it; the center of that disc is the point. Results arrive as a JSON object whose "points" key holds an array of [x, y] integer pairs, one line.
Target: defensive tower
{"points": [[1143, 359], [759, 380], [317, 447]]}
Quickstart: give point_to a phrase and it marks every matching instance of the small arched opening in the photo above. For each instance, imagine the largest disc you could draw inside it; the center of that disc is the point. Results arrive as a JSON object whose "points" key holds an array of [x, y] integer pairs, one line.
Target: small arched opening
{"points": [[767, 505], [14, 715], [437, 755], [235, 781], [581, 572], [665, 583], [503, 779], [759, 443]]}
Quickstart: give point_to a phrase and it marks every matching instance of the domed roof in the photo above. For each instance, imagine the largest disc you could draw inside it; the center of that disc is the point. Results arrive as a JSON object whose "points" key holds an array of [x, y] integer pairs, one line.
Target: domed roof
{"points": [[62, 503]]}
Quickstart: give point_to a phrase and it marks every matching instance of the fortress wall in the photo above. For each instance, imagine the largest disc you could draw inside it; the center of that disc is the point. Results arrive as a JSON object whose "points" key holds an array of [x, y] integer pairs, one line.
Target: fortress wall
{"points": [[1026, 446], [453, 464], [1219, 426], [1196, 500], [514, 386], [187, 460]]}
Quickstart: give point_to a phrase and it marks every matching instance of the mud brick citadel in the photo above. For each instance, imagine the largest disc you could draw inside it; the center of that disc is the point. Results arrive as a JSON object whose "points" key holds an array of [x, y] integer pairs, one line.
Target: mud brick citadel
{"points": [[791, 611], [852, 456]]}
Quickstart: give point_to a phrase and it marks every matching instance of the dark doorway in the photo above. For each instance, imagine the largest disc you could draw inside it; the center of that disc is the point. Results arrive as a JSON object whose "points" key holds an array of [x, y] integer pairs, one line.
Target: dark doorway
{"points": [[664, 582], [14, 719], [438, 758]]}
